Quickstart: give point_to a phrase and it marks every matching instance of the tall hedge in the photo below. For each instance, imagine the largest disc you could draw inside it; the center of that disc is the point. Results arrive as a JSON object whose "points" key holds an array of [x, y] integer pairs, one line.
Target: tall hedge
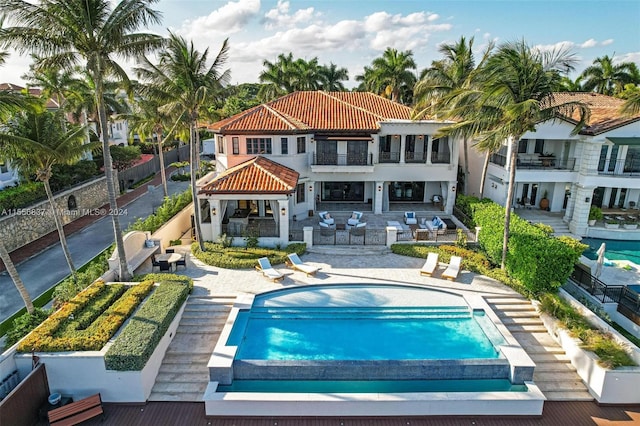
{"points": [[540, 262]]}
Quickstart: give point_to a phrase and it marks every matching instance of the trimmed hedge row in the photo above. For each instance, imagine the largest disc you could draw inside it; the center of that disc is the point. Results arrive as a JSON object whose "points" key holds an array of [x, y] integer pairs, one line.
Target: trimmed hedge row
{"points": [[135, 345], [241, 257], [169, 208], [540, 262], [87, 322], [162, 277]]}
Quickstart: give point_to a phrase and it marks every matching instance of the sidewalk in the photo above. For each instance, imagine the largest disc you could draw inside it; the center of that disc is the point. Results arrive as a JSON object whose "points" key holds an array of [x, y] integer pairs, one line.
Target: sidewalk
{"points": [[29, 250]]}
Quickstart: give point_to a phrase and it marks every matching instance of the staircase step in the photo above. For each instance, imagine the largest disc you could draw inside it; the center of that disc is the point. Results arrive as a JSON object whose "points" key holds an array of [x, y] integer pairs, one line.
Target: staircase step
{"points": [[520, 307], [511, 300], [568, 396], [555, 376], [181, 358], [186, 367], [176, 396], [529, 313], [514, 328], [541, 350], [554, 366], [557, 386], [205, 328], [521, 321], [532, 339], [173, 387], [545, 356], [181, 377]]}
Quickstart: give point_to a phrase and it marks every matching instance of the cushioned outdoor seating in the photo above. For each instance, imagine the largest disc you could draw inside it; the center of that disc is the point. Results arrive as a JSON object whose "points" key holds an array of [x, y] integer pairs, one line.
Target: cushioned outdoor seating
{"points": [[359, 229], [154, 262], [326, 218], [430, 265], [297, 264], [452, 271], [354, 219], [264, 266], [410, 218], [436, 225]]}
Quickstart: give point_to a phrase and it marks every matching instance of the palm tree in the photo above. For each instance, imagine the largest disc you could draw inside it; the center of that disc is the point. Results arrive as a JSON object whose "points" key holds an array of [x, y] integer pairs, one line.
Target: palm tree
{"points": [[454, 72], [65, 33], [11, 102], [608, 79], [183, 84], [36, 140], [332, 78], [515, 94], [392, 73], [631, 106]]}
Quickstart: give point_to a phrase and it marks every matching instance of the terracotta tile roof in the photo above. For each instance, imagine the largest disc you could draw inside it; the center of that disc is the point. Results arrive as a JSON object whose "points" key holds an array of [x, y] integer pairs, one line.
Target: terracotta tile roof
{"points": [[33, 91], [605, 111], [258, 175], [316, 111]]}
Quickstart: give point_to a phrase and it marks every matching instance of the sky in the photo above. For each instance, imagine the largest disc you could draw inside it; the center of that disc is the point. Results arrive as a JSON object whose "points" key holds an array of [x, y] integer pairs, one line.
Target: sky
{"points": [[351, 33]]}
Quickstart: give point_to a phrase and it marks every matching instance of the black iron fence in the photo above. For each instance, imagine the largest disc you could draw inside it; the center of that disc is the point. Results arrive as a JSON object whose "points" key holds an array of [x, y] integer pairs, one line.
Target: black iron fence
{"points": [[343, 159], [627, 299]]}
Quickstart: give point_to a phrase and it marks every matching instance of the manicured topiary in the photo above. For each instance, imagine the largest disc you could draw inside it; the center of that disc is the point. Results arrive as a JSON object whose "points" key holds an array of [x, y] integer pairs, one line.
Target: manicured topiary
{"points": [[242, 257]]}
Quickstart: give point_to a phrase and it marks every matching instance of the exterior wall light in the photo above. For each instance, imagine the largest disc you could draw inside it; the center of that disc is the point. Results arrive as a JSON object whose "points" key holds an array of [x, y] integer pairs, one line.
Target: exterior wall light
{"points": [[213, 211], [283, 211], [586, 200]]}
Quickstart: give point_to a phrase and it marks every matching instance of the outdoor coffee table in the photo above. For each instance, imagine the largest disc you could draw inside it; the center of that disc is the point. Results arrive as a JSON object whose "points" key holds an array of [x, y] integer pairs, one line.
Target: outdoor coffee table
{"points": [[171, 258]]}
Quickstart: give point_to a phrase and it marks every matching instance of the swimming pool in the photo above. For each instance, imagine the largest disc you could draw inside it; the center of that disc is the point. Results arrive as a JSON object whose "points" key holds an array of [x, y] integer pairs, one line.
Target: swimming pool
{"points": [[368, 349], [615, 249], [399, 333]]}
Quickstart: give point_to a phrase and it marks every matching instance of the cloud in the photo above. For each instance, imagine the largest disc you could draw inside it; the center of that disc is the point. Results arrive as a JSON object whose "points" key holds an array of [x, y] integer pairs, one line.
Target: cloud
{"points": [[628, 57], [279, 16], [606, 42], [561, 45], [589, 43], [230, 18]]}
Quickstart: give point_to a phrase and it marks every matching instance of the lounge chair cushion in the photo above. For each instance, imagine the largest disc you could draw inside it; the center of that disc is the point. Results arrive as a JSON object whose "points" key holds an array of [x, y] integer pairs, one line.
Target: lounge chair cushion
{"points": [[410, 218], [452, 271], [438, 223], [297, 264], [430, 264]]}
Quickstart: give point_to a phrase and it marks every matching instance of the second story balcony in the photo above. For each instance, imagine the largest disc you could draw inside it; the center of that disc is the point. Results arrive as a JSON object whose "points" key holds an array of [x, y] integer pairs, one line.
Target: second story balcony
{"points": [[364, 159], [536, 163]]}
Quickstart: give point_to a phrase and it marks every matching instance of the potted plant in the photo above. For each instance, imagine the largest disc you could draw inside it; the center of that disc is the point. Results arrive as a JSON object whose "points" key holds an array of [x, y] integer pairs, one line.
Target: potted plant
{"points": [[630, 223], [544, 201], [612, 224], [595, 214], [547, 159]]}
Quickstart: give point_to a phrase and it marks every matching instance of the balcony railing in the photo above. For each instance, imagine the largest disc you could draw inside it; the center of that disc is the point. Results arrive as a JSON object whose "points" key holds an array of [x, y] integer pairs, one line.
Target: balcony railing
{"points": [[621, 168], [539, 163], [389, 157], [342, 159], [415, 157], [437, 158]]}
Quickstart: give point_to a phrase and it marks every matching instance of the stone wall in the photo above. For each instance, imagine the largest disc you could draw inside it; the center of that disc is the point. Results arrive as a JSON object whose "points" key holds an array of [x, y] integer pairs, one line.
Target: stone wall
{"points": [[22, 226]]}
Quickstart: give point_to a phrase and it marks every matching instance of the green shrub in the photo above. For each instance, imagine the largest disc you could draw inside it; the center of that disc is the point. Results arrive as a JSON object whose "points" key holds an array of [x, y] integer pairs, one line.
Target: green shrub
{"points": [[169, 208], [21, 196], [133, 347], [181, 177], [611, 354], [24, 324], [161, 277], [86, 275], [240, 257], [89, 320]]}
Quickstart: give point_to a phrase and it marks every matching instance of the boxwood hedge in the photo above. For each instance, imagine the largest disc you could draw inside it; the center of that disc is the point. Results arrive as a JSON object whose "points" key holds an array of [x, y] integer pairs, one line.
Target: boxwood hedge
{"points": [[242, 257], [134, 346]]}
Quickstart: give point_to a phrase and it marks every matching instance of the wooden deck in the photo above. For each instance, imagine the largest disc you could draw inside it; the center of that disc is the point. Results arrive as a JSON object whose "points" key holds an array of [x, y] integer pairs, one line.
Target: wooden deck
{"points": [[192, 414]]}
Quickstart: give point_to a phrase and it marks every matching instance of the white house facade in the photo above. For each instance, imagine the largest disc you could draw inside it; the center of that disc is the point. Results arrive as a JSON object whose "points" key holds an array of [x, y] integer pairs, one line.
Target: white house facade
{"points": [[349, 148], [599, 166]]}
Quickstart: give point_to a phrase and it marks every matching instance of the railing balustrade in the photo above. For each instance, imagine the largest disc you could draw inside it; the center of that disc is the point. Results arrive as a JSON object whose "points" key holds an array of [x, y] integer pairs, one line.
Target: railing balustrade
{"points": [[342, 159], [415, 157], [389, 157]]}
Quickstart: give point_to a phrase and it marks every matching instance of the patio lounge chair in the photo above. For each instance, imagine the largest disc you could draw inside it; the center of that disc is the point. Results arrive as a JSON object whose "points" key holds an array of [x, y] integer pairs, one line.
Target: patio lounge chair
{"points": [[430, 265], [452, 271], [326, 218], [267, 270], [354, 219], [410, 218], [297, 264]]}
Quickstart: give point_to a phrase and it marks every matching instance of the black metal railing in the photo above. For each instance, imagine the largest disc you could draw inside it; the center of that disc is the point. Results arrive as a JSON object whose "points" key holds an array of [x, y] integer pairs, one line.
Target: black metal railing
{"points": [[437, 158], [627, 299], [620, 168], [342, 159], [389, 157], [415, 157], [547, 163]]}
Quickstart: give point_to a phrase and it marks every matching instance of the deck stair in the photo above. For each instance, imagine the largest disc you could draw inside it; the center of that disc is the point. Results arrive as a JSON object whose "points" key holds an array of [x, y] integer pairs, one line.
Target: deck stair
{"points": [[184, 375], [554, 374]]}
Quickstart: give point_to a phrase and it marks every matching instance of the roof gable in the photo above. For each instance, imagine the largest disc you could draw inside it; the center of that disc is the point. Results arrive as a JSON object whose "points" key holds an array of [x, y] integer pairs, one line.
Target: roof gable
{"points": [[316, 111], [258, 175]]}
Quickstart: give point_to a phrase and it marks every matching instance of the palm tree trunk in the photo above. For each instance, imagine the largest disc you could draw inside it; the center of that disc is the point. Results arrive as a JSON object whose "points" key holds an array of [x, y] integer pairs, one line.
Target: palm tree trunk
{"points": [[465, 147], [193, 149], [108, 171], [61, 236], [510, 191], [13, 273], [485, 169], [163, 174]]}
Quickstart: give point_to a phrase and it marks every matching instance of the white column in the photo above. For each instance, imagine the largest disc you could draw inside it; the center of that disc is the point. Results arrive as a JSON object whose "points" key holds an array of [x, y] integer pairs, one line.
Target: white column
{"points": [[308, 235], [216, 219], [392, 235], [579, 224], [402, 148], [378, 197], [451, 197], [284, 221]]}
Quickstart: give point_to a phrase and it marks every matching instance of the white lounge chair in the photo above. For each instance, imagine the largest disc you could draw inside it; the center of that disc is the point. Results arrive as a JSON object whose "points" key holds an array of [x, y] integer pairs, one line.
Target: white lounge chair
{"points": [[452, 271], [326, 218], [410, 218], [267, 270], [430, 265], [297, 264]]}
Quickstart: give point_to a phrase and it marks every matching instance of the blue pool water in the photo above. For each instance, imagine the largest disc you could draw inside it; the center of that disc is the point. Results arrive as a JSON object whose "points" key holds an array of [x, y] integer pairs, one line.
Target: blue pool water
{"points": [[615, 249], [383, 386], [359, 333]]}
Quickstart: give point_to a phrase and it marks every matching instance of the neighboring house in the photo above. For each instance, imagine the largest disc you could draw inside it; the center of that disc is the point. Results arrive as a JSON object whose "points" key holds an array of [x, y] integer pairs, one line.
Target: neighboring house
{"points": [[599, 166], [351, 148]]}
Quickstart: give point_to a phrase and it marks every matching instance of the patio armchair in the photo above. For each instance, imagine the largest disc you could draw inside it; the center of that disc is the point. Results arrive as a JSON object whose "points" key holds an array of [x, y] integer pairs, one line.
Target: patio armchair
{"points": [[430, 265], [154, 262], [359, 229], [410, 218], [295, 263], [452, 271], [164, 266], [354, 219], [326, 218], [264, 266]]}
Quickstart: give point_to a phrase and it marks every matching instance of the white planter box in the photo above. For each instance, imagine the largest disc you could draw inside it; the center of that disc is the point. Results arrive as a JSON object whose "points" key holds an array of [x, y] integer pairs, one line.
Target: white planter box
{"points": [[617, 386], [81, 374]]}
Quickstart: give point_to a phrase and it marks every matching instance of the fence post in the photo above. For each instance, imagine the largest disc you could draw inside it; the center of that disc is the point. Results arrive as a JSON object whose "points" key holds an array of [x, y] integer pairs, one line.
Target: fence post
{"points": [[308, 235], [392, 235]]}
